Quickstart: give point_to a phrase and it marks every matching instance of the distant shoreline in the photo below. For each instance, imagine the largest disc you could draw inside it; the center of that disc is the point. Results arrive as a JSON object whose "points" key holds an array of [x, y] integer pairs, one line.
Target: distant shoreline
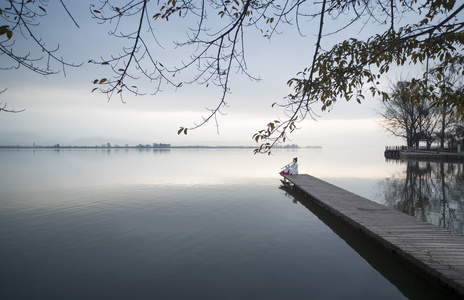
{"points": [[57, 147]]}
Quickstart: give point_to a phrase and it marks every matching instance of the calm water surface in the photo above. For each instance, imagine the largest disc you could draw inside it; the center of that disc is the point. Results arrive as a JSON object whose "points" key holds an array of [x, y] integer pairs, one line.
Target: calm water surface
{"points": [[189, 224]]}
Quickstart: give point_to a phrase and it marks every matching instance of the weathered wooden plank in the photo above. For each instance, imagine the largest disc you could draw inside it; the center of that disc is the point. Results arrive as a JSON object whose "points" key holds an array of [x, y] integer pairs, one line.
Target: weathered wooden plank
{"points": [[432, 249]]}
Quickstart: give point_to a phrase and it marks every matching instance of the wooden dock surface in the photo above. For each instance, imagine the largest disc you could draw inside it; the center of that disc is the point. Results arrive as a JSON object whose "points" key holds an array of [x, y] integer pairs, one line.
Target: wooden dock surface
{"points": [[435, 251]]}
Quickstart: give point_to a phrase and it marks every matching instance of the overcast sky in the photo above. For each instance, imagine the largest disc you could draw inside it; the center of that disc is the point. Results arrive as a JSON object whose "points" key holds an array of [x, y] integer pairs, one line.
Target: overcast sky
{"points": [[63, 110]]}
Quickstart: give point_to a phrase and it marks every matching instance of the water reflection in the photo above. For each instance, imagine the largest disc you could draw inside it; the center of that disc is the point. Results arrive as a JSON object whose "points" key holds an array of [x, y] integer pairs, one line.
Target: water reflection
{"points": [[430, 191]]}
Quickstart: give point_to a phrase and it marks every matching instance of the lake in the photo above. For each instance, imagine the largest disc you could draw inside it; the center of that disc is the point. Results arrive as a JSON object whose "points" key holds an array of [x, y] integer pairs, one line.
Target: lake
{"points": [[206, 224]]}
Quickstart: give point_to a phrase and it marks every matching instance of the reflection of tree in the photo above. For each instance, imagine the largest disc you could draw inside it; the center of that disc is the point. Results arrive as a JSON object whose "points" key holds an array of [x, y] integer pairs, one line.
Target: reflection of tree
{"points": [[430, 191]]}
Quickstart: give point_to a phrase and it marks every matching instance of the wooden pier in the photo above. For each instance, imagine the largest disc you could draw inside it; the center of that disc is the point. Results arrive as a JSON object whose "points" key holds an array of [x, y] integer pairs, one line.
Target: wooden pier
{"points": [[434, 251]]}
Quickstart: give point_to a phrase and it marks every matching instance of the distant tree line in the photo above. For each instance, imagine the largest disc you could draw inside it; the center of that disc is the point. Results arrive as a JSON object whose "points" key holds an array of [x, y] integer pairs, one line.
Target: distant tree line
{"points": [[146, 146], [107, 145]]}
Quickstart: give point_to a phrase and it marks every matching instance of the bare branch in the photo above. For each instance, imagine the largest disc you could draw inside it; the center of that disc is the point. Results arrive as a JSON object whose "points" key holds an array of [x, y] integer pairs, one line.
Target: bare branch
{"points": [[22, 16], [3, 108]]}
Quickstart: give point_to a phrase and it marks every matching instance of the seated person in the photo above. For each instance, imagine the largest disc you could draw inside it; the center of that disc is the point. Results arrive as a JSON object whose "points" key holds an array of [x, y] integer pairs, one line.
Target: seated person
{"points": [[291, 169]]}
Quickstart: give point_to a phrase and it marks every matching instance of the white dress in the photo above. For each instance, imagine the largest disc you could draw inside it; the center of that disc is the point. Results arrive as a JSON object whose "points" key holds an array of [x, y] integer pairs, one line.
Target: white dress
{"points": [[292, 169]]}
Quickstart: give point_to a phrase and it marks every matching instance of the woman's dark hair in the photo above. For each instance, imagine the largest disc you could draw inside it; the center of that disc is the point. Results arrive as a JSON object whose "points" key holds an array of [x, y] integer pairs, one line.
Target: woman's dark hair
{"points": [[295, 159]]}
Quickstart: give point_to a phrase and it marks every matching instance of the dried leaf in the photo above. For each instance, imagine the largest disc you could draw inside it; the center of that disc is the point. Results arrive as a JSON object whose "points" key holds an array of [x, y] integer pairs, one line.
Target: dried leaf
{"points": [[4, 29]]}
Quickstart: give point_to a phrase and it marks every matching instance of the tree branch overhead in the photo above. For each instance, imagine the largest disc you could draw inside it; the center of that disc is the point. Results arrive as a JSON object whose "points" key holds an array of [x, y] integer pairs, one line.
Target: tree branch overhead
{"points": [[399, 33]]}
